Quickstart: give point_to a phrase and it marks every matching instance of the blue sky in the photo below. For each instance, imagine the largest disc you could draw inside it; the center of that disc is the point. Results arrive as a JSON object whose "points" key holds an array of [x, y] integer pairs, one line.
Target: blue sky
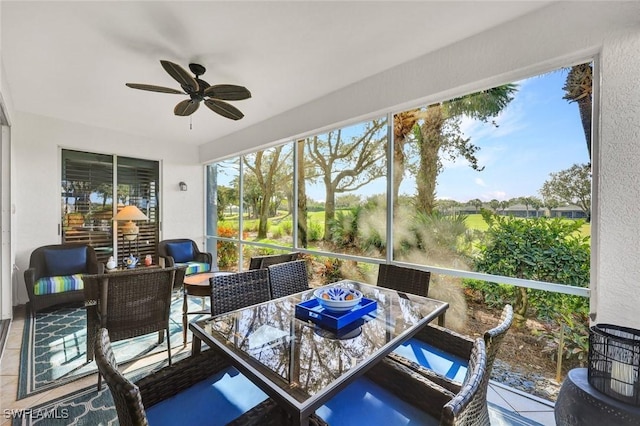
{"points": [[539, 133]]}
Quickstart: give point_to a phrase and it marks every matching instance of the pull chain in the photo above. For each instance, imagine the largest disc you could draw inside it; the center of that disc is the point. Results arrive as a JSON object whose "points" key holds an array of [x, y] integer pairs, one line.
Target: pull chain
{"points": [[190, 122]]}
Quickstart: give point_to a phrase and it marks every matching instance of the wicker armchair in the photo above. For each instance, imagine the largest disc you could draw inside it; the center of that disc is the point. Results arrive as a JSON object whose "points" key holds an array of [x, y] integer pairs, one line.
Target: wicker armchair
{"points": [[41, 276], [288, 278], [235, 291], [191, 260], [261, 262], [129, 304], [192, 402], [390, 392]]}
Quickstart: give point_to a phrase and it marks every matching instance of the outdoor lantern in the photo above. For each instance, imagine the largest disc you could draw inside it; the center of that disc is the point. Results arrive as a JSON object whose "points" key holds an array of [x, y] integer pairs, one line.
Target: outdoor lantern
{"points": [[614, 361]]}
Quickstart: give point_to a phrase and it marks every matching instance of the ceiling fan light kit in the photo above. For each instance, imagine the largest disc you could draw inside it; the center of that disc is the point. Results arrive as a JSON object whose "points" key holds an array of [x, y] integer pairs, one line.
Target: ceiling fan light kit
{"points": [[214, 97]]}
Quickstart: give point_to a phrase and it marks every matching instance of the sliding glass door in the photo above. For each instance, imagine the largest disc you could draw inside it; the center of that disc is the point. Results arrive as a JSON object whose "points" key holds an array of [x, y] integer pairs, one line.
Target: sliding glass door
{"points": [[88, 204]]}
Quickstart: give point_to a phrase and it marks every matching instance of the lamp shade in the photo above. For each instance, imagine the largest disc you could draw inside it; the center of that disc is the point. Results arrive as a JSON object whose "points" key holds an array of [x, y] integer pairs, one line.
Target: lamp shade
{"points": [[130, 213]]}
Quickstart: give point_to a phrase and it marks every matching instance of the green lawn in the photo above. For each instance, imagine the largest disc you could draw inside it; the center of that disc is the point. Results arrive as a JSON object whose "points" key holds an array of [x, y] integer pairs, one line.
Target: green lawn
{"points": [[473, 221]]}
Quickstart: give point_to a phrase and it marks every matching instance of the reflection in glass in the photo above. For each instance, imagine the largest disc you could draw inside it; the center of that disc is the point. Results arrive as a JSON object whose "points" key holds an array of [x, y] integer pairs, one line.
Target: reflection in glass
{"points": [[303, 361]]}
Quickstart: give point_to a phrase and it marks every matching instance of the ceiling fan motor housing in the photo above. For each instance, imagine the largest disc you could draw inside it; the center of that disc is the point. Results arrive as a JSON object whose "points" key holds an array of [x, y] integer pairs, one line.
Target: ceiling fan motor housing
{"points": [[197, 69]]}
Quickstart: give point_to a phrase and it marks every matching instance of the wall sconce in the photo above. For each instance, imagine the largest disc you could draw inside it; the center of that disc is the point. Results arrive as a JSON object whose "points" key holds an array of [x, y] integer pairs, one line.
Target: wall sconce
{"points": [[183, 186]]}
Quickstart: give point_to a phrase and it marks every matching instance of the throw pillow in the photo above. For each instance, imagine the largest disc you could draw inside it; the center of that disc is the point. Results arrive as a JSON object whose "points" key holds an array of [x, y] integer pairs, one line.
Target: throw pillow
{"points": [[66, 261], [181, 252]]}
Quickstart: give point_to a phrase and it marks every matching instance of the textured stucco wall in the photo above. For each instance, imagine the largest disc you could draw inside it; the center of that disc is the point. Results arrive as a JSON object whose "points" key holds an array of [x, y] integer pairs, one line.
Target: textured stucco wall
{"points": [[36, 142], [618, 227]]}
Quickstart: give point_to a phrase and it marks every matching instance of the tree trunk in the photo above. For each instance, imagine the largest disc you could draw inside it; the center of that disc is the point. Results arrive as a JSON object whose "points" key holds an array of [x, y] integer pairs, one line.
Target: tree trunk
{"points": [[429, 144], [329, 211], [263, 214], [520, 308], [584, 106], [302, 198], [398, 170], [403, 124]]}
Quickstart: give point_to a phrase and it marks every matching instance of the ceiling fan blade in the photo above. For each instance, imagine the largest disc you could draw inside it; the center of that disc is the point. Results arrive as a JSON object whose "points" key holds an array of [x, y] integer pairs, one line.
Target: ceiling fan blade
{"points": [[224, 109], [180, 75], [186, 107], [228, 92], [152, 88]]}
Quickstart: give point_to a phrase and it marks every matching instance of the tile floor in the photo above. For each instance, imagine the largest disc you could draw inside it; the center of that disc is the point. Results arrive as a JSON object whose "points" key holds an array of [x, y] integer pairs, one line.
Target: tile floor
{"points": [[526, 405]]}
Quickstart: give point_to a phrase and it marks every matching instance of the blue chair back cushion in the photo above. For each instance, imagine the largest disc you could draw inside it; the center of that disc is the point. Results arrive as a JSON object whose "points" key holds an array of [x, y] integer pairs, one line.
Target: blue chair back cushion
{"points": [[195, 267], [52, 285], [66, 261], [181, 252], [430, 357], [217, 400]]}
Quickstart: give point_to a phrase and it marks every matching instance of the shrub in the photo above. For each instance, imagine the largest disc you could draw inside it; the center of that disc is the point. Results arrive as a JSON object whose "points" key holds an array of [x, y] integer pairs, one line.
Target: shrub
{"points": [[540, 249], [227, 250], [573, 331], [276, 232], [332, 271], [287, 227], [344, 228], [314, 231], [439, 237]]}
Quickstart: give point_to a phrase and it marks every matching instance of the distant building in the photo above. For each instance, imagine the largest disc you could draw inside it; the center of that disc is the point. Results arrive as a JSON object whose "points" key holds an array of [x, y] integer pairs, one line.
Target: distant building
{"points": [[520, 210], [569, 212]]}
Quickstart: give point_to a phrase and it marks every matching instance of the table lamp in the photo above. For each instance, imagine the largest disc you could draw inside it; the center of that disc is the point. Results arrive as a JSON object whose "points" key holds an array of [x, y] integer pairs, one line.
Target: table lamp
{"points": [[130, 229]]}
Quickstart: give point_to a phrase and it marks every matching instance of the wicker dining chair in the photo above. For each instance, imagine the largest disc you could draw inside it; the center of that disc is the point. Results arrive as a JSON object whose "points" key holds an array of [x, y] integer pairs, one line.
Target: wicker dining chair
{"points": [[261, 262], [194, 390], [391, 392], [459, 346], [235, 291], [288, 278], [129, 304], [406, 280]]}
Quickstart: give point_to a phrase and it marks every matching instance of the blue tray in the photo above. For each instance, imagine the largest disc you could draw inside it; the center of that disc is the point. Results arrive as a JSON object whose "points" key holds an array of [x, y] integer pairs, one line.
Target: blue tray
{"points": [[312, 311]]}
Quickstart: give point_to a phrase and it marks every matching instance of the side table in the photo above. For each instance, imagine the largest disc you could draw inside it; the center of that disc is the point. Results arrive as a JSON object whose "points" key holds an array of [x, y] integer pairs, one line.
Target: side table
{"points": [[196, 285], [581, 404], [125, 269]]}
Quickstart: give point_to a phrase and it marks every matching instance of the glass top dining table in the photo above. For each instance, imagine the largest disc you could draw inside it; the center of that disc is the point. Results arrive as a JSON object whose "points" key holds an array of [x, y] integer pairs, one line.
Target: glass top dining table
{"points": [[302, 365]]}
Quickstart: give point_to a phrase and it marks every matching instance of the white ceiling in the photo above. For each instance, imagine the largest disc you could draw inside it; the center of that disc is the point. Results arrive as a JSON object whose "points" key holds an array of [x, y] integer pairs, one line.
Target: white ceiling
{"points": [[70, 60]]}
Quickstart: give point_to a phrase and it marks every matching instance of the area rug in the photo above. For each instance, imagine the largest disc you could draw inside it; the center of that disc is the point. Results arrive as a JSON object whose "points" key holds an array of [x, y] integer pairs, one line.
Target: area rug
{"points": [[90, 407], [55, 342]]}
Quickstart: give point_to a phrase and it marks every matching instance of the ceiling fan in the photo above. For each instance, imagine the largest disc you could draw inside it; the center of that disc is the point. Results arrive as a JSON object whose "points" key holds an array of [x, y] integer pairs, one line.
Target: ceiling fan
{"points": [[198, 91]]}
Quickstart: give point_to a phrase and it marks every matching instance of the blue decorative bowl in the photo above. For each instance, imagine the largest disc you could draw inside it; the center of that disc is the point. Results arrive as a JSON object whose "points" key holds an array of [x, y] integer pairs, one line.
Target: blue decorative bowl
{"points": [[338, 299]]}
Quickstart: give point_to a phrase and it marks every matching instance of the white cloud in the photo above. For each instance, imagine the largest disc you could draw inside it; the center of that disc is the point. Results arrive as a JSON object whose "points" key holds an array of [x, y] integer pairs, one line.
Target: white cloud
{"points": [[498, 195], [480, 182]]}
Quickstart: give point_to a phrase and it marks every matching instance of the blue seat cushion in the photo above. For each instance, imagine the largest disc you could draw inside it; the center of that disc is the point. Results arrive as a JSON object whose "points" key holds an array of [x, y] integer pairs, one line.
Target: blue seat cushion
{"points": [[215, 401], [66, 261], [181, 252], [195, 267], [365, 403], [430, 357]]}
